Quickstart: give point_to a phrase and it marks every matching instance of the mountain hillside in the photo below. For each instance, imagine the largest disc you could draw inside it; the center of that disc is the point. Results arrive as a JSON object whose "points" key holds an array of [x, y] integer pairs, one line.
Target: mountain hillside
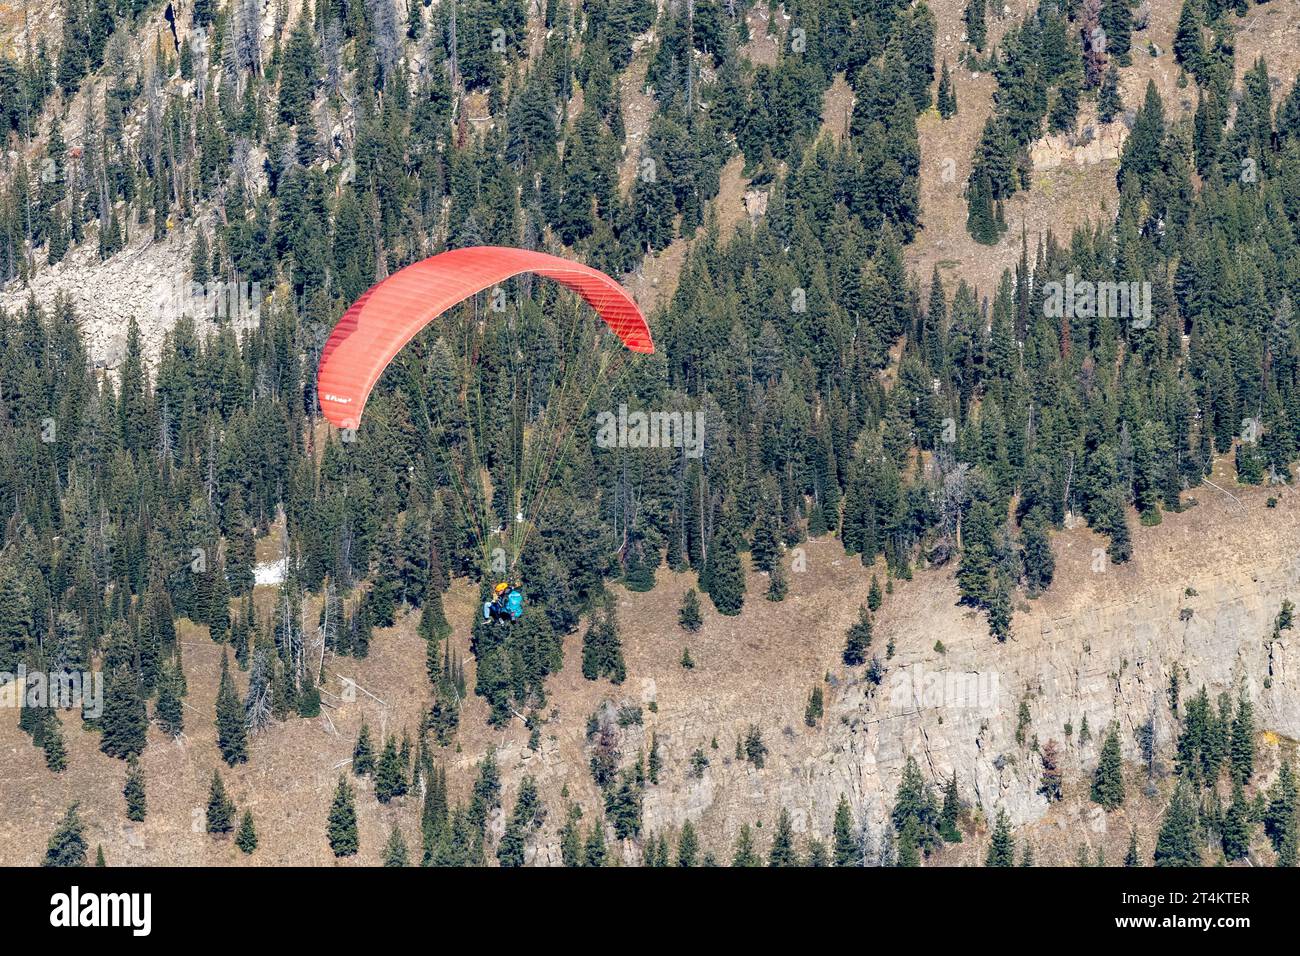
{"points": [[977, 533]]}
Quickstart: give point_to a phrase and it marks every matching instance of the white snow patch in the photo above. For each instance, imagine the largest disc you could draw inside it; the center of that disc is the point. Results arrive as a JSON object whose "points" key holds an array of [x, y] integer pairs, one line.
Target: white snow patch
{"points": [[272, 572]]}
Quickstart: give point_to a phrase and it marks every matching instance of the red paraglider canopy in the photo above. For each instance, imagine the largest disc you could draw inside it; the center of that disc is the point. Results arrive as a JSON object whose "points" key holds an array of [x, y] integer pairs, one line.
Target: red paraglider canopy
{"points": [[391, 313]]}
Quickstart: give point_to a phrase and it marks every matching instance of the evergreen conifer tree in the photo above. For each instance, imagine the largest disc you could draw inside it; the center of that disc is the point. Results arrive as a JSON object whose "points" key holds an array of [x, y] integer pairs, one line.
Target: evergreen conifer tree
{"points": [[1280, 811], [363, 754], [845, 851], [124, 720], [1235, 830], [1002, 849], [136, 803], [395, 852], [858, 640], [723, 576], [1131, 858], [744, 853], [221, 810], [571, 847], [1108, 779], [342, 826], [1242, 749], [56, 754], [976, 29], [946, 99], [67, 846], [527, 816], [1109, 104], [689, 614], [167, 710], [1177, 842], [390, 773], [594, 851], [602, 650], [246, 837], [949, 812], [778, 585], [688, 845], [232, 731], [783, 852]]}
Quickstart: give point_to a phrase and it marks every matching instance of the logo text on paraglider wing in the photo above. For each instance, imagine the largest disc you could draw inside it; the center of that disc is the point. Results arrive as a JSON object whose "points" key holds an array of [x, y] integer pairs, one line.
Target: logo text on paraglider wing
{"points": [[640, 429]]}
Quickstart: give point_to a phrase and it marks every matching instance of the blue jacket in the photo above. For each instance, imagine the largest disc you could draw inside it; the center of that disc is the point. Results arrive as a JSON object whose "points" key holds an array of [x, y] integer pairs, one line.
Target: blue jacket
{"points": [[515, 604]]}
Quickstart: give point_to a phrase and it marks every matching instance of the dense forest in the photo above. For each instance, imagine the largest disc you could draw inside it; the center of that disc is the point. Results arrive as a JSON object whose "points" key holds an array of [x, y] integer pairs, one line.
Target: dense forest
{"points": [[923, 420]]}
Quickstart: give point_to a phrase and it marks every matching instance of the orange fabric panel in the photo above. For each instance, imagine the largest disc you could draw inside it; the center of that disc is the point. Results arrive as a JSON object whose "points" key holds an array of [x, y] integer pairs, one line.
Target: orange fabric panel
{"points": [[391, 313]]}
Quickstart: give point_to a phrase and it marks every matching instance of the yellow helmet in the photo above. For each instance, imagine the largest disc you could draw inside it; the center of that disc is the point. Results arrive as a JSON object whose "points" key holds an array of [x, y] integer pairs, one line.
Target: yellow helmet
{"points": [[502, 588]]}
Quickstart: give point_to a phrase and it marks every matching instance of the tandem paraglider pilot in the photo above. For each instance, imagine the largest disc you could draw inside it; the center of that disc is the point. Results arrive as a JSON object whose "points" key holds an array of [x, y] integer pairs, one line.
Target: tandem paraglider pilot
{"points": [[506, 604]]}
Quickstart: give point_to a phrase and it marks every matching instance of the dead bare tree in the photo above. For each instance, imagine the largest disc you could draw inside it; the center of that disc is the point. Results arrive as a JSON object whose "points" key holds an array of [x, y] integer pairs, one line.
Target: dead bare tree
{"points": [[331, 611], [953, 494], [247, 30], [1069, 477], [387, 36], [1094, 43], [332, 56], [257, 706]]}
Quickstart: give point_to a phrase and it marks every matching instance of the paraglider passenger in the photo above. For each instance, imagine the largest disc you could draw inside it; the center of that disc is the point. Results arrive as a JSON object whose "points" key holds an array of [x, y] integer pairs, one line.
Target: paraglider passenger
{"points": [[515, 603]]}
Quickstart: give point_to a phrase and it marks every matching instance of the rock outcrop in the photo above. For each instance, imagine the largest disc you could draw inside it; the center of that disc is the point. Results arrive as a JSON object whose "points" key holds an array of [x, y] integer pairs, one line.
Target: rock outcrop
{"points": [[1200, 597], [1096, 143]]}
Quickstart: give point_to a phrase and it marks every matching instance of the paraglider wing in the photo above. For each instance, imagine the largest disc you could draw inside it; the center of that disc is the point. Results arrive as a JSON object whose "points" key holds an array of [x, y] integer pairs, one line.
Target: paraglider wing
{"points": [[392, 312]]}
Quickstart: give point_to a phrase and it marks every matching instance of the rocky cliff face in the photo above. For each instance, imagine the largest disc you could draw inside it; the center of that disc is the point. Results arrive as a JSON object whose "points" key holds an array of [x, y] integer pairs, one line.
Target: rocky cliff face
{"points": [[140, 283], [1095, 143], [1201, 596]]}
